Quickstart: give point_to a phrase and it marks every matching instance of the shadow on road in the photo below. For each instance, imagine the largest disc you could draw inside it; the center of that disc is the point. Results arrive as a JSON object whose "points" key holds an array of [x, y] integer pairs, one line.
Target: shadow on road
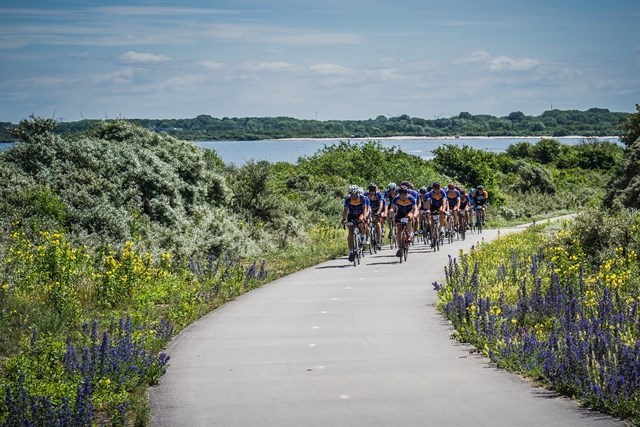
{"points": [[350, 264]]}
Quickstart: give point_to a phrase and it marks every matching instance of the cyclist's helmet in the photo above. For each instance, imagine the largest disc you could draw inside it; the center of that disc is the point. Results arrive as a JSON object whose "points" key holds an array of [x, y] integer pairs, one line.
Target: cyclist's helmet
{"points": [[353, 189], [480, 187], [373, 187], [403, 190], [423, 190], [392, 186], [360, 190], [436, 184], [407, 184]]}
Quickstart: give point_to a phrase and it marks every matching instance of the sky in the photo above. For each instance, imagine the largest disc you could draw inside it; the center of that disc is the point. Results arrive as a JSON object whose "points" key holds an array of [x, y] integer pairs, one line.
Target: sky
{"points": [[315, 59]]}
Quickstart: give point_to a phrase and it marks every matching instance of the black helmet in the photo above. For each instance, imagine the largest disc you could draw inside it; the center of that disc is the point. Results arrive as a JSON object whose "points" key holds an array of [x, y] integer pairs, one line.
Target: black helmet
{"points": [[373, 187], [423, 190], [480, 187], [436, 184]]}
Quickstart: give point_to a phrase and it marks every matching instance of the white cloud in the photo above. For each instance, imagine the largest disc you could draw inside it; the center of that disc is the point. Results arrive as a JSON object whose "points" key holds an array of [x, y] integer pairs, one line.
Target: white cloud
{"points": [[499, 63], [132, 57], [119, 77], [330, 69], [273, 66], [212, 65]]}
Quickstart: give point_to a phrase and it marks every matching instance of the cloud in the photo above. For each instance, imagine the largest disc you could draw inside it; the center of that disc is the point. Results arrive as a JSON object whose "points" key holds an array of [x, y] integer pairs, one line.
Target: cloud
{"points": [[499, 63], [79, 55], [119, 77], [330, 69], [132, 57], [212, 65], [273, 66]]}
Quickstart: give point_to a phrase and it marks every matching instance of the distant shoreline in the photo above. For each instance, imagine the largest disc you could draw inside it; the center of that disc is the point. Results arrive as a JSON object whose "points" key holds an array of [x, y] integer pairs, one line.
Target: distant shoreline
{"points": [[445, 138]]}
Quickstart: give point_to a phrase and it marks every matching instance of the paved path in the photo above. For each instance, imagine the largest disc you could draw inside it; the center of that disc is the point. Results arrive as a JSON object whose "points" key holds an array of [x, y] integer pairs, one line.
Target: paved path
{"points": [[337, 345]]}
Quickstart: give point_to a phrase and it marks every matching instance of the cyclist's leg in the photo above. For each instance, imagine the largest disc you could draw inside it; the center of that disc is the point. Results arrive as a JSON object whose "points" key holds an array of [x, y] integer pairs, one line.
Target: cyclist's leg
{"points": [[379, 229], [398, 226]]}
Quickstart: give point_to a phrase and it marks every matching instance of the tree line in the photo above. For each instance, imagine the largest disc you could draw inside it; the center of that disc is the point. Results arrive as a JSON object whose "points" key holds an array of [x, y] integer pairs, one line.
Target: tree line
{"points": [[594, 122]]}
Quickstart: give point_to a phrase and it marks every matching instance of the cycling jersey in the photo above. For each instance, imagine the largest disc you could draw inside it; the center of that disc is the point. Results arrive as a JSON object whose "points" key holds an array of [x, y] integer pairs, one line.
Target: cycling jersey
{"points": [[403, 207], [453, 196], [415, 194], [375, 201], [481, 198], [388, 197], [436, 202], [464, 201], [356, 207]]}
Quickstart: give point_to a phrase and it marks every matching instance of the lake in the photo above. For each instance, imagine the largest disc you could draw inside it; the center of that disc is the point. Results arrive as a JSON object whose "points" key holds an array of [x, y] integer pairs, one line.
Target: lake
{"points": [[289, 150]]}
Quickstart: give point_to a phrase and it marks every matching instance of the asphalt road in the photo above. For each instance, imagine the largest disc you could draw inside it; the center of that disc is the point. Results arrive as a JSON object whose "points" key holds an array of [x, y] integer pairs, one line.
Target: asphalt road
{"points": [[337, 345]]}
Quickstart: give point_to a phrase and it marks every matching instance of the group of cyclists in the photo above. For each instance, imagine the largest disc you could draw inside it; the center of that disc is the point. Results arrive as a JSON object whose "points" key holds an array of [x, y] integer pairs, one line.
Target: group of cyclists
{"points": [[403, 201]]}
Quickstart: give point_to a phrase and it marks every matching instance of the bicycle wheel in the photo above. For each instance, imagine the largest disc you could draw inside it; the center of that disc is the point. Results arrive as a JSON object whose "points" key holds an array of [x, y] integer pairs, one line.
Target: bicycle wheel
{"points": [[392, 238], [405, 251], [373, 245], [356, 247]]}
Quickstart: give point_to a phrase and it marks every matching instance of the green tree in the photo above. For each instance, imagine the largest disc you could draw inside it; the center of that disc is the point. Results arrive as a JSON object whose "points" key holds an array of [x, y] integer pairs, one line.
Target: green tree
{"points": [[624, 187], [631, 128]]}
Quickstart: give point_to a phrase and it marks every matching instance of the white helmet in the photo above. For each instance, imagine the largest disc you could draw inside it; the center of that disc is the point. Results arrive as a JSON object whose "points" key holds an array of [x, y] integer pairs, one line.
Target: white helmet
{"points": [[392, 186], [353, 189]]}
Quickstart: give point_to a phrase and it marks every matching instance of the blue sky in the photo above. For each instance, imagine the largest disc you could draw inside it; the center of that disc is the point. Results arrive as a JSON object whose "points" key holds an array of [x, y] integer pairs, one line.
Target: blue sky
{"points": [[324, 59]]}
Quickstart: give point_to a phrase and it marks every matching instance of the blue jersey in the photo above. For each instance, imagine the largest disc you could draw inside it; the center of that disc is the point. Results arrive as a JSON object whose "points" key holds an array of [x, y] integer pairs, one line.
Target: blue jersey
{"points": [[437, 198], [388, 197], [464, 201], [413, 193], [356, 207], [374, 201], [403, 207], [453, 196]]}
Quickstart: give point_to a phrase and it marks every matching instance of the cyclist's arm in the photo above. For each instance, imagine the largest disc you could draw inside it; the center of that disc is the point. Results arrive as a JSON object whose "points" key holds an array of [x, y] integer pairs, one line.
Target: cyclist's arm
{"points": [[345, 211]]}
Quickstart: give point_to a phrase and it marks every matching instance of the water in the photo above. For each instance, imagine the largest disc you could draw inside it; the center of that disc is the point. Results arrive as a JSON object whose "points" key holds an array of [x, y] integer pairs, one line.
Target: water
{"points": [[240, 152], [289, 150]]}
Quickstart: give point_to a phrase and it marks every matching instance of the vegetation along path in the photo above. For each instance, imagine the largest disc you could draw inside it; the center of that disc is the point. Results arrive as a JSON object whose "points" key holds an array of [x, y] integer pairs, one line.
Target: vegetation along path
{"points": [[342, 345]]}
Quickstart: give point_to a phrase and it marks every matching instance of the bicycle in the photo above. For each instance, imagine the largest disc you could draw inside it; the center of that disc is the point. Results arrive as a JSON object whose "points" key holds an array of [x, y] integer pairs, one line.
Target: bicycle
{"points": [[404, 240], [462, 224], [436, 231], [423, 229], [449, 232], [373, 234], [358, 249], [479, 221], [392, 231]]}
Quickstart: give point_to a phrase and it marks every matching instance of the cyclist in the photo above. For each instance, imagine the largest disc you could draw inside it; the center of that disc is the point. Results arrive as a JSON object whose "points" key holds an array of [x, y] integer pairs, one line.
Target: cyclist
{"points": [[453, 199], [436, 203], [376, 202], [416, 195], [422, 208], [481, 199], [390, 194], [404, 206], [465, 204], [355, 208]]}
